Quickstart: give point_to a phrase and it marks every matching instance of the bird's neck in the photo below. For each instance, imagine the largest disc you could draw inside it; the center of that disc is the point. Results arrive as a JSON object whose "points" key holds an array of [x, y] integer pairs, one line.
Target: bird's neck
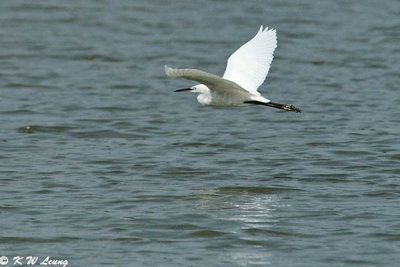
{"points": [[204, 99]]}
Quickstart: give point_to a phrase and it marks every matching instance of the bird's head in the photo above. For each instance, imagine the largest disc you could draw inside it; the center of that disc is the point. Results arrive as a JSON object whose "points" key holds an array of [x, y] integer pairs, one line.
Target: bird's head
{"points": [[200, 89]]}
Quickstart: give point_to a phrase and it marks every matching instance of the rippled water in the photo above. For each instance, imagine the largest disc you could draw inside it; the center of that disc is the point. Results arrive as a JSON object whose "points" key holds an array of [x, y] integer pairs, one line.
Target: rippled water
{"points": [[103, 165]]}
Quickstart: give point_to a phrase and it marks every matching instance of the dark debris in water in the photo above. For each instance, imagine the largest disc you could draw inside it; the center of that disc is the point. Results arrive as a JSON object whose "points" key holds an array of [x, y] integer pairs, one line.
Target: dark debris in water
{"points": [[206, 234], [43, 129], [318, 62]]}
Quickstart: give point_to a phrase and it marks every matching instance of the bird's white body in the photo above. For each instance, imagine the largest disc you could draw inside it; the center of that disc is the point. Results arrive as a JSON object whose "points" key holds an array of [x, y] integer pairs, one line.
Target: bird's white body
{"points": [[246, 70], [232, 99]]}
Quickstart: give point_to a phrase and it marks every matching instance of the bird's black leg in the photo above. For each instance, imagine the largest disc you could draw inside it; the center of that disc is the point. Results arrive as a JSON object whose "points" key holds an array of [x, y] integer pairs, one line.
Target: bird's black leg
{"points": [[286, 107]]}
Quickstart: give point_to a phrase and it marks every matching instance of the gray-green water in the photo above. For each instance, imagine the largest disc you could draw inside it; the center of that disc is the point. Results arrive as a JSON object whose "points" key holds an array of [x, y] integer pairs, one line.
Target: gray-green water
{"points": [[103, 165]]}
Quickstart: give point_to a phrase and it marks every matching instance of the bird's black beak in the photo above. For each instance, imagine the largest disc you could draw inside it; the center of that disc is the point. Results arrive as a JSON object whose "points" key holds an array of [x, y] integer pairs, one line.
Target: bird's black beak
{"points": [[183, 90]]}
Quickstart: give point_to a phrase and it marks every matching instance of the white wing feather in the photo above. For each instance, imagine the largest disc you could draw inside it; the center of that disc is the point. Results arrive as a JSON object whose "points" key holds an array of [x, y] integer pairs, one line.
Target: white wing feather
{"points": [[249, 65], [213, 82]]}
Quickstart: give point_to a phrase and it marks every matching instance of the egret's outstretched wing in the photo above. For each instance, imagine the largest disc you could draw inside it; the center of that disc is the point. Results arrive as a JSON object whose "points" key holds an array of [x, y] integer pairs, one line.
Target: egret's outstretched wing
{"points": [[212, 81], [249, 65]]}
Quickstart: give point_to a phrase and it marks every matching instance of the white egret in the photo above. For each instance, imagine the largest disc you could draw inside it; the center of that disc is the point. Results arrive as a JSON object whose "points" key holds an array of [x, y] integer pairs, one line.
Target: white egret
{"points": [[246, 70]]}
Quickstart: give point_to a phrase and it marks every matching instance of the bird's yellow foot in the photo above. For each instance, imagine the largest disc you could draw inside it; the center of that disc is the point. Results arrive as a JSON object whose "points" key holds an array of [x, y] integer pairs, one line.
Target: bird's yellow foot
{"points": [[289, 107]]}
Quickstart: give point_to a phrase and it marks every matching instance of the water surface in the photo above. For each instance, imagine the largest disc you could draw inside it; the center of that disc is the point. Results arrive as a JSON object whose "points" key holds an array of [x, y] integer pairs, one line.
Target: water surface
{"points": [[103, 165]]}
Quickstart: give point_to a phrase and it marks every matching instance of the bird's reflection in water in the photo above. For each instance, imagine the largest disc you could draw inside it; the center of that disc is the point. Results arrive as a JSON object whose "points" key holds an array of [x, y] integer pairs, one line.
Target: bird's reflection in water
{"points": [[256, 210], [249, 206], [247, 216]]}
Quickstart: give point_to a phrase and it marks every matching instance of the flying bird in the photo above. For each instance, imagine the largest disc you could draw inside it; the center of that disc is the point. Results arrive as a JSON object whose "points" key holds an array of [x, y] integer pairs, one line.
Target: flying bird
{"points": [[246, 70]]}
